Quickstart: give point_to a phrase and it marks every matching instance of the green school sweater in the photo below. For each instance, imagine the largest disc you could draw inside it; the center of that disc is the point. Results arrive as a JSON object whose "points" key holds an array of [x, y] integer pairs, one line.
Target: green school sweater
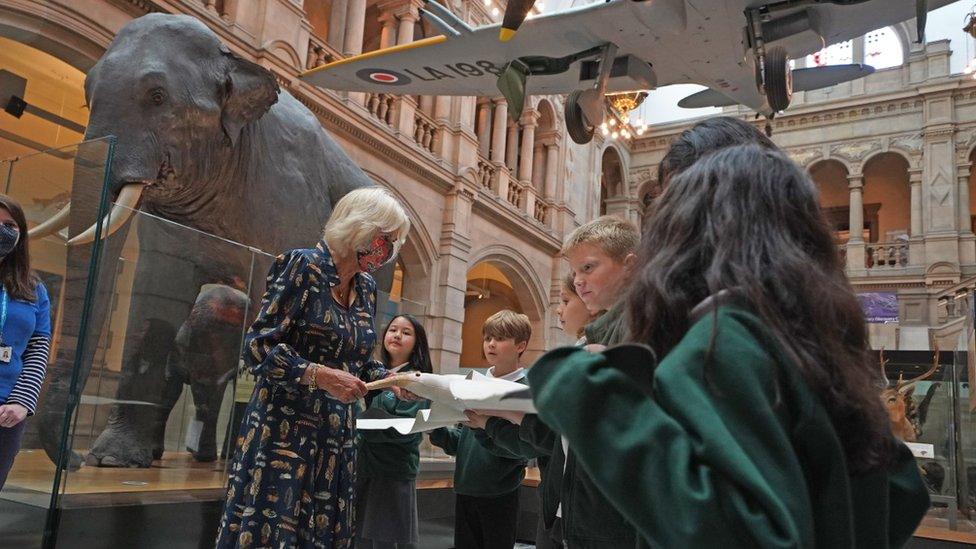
{"points": [[478, 471], [388, 454], [747, 458]]}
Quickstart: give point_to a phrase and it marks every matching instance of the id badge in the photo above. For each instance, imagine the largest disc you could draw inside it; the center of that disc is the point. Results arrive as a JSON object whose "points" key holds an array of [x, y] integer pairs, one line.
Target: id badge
{"points": [[6, 354]]}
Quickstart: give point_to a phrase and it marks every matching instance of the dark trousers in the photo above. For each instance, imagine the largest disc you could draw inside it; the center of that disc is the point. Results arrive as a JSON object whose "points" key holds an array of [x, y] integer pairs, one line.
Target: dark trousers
{"points": [[543, 537], [485, 523], [9, 446]]}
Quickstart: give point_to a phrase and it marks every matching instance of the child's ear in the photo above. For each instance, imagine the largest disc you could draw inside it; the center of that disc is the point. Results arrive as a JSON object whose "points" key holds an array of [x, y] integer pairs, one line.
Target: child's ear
{"points": [[630, 261], [521, 347]]}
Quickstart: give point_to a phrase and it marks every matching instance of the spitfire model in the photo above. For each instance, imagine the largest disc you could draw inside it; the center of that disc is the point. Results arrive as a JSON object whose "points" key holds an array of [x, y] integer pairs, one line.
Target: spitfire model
{"points": [[739, 49]]}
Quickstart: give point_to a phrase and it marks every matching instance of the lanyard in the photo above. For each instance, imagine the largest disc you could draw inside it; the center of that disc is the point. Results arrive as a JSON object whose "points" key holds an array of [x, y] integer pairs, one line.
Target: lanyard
{"points": [[3, 312]]}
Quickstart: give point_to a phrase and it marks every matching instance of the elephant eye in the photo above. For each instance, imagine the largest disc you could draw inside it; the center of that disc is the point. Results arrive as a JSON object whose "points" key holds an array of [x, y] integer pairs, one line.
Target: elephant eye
{"points": [[157, 96]]}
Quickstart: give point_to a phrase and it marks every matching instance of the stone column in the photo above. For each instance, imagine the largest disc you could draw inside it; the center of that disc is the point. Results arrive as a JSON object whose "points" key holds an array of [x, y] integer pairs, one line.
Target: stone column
{"points": [[511, 147], [498, 131], [355, 24], [447, 305], [483, 126], [387, 36], [967, 240], [552, 171], [965, 224], [915, 179], [337, 24], [442, 108], [407, 21], [855, 243], [538, 166], [427, 104], [529, 121]]}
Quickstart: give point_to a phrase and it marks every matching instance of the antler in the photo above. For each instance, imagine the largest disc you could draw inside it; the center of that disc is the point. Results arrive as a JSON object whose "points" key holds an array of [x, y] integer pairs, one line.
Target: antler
{"points": [[884, 364], [902, 385]]}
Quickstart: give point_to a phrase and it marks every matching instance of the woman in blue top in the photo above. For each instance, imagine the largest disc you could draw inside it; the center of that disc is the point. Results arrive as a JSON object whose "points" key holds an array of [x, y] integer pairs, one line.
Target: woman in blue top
{"points": [[25, 332]]}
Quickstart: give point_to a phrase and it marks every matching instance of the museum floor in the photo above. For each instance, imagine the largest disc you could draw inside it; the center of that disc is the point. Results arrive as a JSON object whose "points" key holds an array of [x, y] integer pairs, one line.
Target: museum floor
{"points": [[175, 504]]}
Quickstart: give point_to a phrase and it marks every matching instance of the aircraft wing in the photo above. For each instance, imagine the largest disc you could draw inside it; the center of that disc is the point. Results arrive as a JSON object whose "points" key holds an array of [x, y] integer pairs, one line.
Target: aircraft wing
{"points": [[467, 61]]}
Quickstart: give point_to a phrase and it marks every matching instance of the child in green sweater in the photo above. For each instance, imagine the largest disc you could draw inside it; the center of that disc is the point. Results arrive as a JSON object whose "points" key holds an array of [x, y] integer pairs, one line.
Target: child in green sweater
{"points": [[388, 462], [486, 482], [762, 425]]}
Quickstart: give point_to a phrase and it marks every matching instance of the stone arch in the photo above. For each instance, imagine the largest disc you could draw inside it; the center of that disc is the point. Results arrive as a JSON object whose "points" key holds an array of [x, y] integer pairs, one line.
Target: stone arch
{"points": [[887, 188], [56, 31], [547, 111], [830, 176], [614, 189], [526, 291], [286, 51], [525, 280], [913, 161]]}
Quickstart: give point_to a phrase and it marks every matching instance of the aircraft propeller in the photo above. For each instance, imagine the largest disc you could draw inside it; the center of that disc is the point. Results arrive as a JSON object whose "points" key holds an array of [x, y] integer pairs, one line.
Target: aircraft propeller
{"points": [[515, 13]]}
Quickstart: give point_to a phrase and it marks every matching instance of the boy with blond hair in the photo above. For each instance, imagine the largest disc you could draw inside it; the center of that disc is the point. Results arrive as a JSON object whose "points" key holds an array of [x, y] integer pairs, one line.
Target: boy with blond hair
{"points": [[487, 480], [601, 254]]}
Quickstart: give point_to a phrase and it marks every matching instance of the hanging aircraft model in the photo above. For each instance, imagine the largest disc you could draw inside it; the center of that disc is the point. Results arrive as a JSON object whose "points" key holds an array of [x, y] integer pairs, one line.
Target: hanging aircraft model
{"points": [[739, 49]]}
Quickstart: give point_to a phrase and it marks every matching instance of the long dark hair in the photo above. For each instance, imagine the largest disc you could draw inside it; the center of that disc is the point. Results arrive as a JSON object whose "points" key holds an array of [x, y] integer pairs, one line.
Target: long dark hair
{"points": [[420, 354], [15, 269], [705, 137], [746, 219]]}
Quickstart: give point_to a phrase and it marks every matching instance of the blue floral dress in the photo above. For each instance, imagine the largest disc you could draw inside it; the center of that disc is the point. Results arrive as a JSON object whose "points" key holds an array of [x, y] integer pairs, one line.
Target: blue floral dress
{"points": [[292, 479]]}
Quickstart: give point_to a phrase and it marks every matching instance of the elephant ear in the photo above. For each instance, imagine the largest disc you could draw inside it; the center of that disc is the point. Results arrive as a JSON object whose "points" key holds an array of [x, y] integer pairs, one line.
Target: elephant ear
{"points": [[249, 90]]}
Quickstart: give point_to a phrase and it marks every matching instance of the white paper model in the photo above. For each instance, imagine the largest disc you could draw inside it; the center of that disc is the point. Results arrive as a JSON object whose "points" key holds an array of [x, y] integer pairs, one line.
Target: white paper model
{"points": [[450, 395]]}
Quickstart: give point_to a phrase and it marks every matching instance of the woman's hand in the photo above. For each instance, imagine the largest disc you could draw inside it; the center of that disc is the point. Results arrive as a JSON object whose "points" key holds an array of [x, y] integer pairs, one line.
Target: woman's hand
{"points": [[595, 348], [11, 414], [340, 384]]}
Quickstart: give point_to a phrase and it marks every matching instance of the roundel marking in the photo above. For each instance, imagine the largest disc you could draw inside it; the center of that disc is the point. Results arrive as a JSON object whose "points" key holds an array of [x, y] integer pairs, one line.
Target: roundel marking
{"points": [[383, 76]]}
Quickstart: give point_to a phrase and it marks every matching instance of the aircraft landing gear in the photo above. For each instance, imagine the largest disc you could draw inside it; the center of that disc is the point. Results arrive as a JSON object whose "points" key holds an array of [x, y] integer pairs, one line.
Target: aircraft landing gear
{"points": [[576, 125], [774, 77], [584, 108]]}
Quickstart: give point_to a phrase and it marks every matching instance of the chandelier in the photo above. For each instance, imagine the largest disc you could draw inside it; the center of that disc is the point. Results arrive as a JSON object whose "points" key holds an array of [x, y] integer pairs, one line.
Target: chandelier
{"points": [[618, 124]]}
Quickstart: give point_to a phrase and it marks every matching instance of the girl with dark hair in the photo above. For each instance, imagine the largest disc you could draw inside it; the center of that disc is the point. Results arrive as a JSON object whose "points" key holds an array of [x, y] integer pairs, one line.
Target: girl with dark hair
{"points": [[763, 425], [386, 515], [25, 332]]}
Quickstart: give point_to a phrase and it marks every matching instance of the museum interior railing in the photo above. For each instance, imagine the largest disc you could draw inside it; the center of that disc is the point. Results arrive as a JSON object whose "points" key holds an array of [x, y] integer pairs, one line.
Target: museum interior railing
{"points": [[145, 388]]}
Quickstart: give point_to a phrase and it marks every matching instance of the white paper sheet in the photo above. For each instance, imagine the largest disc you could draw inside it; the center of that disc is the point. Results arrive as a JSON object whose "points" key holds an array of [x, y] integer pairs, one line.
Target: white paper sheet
{"points": [[450, 396]]}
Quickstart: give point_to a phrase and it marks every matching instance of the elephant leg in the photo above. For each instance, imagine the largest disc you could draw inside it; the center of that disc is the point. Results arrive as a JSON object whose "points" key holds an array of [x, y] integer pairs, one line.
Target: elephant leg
{"points": [[127, 439], [79, 334], [207, 398], [173, 388]]}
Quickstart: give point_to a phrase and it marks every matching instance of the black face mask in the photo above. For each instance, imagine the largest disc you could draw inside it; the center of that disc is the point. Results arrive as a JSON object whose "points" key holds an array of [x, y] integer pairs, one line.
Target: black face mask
{"points": [[9, 236]]}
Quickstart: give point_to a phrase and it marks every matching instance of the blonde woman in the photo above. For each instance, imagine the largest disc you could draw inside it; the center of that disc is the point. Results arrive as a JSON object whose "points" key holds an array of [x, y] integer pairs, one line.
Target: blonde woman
{"points": [[292, 479]]}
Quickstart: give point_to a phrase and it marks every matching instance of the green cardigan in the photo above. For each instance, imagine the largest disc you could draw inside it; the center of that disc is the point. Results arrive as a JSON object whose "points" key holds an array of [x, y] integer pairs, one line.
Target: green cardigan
{"points": [[388, 454], [735, 453], [479, 471]]}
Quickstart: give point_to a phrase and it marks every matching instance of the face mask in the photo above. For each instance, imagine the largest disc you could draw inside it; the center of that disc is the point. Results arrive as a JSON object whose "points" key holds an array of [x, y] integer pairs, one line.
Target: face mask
{"points": [[379, 253], [9, 236]]}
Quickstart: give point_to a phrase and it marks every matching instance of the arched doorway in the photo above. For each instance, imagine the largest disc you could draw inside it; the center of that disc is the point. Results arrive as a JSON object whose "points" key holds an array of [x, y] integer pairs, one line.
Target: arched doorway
{"points": [[886, 185], [887, 190], [489, 290], [830, 176], [613, 195]]}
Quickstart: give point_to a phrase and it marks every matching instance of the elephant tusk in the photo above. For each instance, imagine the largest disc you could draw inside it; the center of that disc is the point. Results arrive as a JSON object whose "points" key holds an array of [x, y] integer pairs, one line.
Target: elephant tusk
{"points": [[122, 210], [52, 225]]}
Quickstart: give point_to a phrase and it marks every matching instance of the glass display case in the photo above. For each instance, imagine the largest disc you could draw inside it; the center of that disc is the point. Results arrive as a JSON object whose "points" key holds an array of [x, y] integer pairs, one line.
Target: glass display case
{"points": [[145, 387]]}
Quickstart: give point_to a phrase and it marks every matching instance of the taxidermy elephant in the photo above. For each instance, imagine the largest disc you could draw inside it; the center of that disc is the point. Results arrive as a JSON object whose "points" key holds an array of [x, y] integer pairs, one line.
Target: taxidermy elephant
{"points": [[205, 140]]}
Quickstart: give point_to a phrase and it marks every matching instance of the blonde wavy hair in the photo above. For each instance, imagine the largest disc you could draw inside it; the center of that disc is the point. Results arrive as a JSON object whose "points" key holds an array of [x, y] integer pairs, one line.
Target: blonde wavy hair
{"points": [[362, 213]]}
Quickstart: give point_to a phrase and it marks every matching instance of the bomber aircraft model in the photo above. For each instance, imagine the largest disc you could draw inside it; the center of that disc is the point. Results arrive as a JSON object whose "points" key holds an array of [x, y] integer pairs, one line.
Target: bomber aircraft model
{"points": [[739, 49]]}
